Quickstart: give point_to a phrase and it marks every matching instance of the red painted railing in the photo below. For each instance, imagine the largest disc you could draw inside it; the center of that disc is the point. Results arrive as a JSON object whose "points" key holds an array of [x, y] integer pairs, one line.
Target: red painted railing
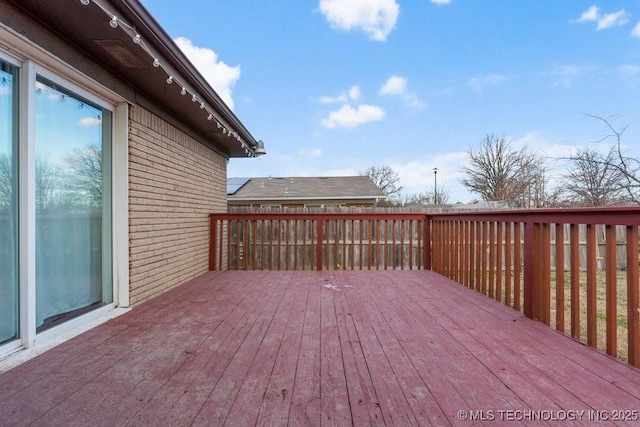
{"points": [[306, 241], [573, 269]]}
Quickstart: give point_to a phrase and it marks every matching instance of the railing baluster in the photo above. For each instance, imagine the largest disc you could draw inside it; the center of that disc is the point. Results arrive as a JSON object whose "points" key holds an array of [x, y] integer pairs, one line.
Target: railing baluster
{"points": [[536, 279], [508, 247], [485, 238], [221, 251], [463, 253], [517, 266], [245, 244], [352, 245], [546, 271], [360, 236], [472, 254], [213, 224], [492, 259], [575, 280], [411, 225], [385, 253], [592, 331], [499, 247], [560, 277], [319, 239], [529, 267], [478, 256], [611, 297]]}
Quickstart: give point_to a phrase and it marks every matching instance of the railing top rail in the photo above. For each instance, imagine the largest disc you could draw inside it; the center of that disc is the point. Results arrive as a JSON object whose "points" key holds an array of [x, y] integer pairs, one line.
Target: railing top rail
{"points": [[622, 215], [320, 216]]}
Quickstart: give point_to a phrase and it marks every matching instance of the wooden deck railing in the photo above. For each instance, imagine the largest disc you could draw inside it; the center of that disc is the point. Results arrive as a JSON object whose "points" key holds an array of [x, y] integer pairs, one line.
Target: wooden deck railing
{"points": [[306, 241], [560, 266], [573, 269]]}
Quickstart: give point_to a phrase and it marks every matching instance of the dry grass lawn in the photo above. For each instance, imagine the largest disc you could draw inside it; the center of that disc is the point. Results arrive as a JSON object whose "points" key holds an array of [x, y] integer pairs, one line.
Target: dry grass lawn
{"points": [[621, 322]]}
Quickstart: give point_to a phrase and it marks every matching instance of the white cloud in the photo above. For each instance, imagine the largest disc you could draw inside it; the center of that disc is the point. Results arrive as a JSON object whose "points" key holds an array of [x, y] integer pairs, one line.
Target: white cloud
{"points": [[629, 70], [416, 175], [565, 75], [375, 17], [589, 15], [613, 19], [630, 74], [477, 84], [333, 99], [354, 93], [412, 101], [89, 121], [607, 20], [219, 75], [441, 1], [395, 85], [348, 117], [636, 30]]}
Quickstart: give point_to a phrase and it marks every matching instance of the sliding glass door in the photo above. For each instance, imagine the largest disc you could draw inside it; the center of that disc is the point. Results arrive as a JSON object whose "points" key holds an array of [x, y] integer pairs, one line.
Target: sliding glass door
{"points": [[73, 206], [9, 319]]}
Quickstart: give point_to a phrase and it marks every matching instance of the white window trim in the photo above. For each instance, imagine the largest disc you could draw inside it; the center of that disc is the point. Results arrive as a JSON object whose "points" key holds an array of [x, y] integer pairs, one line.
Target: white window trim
{"points": [[120, 204], [33, 60], [27, 206]]}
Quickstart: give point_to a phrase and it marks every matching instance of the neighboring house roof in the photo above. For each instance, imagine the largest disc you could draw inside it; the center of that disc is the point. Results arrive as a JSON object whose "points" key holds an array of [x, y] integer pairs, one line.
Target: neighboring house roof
{"points": [[87, 28], [304, 188]]}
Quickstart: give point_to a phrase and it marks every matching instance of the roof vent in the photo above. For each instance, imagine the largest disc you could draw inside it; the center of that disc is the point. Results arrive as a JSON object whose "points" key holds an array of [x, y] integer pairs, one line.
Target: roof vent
{"points": [[121, 53]]}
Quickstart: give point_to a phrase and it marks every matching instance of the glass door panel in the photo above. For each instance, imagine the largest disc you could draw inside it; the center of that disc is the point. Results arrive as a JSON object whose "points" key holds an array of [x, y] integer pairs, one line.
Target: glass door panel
{"points": [[72, 220]]}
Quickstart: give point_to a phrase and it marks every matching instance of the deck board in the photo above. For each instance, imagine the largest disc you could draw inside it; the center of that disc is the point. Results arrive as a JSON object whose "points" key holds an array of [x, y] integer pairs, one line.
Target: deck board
{"points": [[313, 348]]}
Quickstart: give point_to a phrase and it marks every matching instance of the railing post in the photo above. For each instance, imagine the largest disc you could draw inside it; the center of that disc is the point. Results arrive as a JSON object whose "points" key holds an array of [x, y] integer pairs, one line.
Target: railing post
{"points": [[633, 297], [213, 243]]}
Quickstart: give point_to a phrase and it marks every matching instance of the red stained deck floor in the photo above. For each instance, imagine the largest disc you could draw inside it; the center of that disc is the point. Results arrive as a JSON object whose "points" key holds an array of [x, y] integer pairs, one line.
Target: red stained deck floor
{"points": [[317, 348]]}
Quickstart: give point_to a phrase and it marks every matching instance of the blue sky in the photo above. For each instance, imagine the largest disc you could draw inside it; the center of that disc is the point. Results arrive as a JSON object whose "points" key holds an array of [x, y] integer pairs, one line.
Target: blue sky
{"points": [[335, 86]]}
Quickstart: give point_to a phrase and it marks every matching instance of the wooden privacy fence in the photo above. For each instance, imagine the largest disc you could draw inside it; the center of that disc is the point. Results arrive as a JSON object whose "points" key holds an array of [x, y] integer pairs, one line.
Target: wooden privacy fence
{"points": [[303, 241], [508, 256]]}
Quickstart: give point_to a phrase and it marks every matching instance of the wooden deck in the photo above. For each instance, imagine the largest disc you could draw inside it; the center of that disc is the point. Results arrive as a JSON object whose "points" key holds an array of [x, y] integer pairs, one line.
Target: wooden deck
{"points": [[245, 348]]}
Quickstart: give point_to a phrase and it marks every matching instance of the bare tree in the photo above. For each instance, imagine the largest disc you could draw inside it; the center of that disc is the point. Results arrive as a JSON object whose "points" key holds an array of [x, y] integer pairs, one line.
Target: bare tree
{"points": [[423, 198], [441, 196], [386, 178], [52, 192], [429, 197], [6, 182], [86, 168], [498, 172], [594, 179], [627, 165]]}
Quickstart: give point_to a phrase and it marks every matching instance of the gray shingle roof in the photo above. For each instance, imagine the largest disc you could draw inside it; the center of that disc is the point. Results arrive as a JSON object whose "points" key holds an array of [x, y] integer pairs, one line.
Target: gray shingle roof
{"points": [[317, 188]]}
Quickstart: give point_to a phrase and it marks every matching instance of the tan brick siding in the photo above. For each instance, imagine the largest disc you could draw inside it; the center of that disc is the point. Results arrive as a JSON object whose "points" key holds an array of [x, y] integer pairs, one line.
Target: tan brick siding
{"points": [[174, 183]]}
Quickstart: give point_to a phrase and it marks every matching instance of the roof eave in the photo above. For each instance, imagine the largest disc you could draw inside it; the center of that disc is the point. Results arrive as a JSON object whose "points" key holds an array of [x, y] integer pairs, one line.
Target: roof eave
{"points": [[158, 38]]}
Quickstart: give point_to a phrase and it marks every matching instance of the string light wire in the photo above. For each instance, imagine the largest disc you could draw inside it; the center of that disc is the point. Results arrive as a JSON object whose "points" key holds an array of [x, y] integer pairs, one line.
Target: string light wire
{"points": [[117, 22]]}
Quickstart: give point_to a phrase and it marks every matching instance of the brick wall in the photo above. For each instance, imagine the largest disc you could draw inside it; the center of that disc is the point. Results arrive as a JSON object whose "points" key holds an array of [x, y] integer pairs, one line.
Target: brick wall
{"points": [[174, 183]]}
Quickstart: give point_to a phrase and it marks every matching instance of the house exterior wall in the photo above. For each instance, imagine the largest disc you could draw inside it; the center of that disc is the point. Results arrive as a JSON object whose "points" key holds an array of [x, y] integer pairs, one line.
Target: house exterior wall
{"points": [[175, 181]]}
